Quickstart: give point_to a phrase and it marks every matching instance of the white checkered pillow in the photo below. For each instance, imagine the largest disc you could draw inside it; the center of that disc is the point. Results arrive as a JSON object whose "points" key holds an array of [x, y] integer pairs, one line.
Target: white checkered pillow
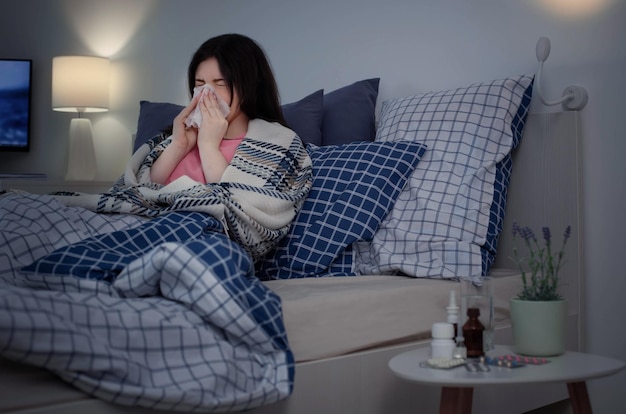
{"points": [[447, 220]]}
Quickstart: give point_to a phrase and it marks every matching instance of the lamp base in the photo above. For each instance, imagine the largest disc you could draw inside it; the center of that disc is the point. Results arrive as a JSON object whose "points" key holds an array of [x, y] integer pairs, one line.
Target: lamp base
{"points": [[81, 160]]}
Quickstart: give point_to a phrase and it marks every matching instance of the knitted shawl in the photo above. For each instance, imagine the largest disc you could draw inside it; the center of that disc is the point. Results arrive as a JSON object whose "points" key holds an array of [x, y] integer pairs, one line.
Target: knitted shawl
{"points": [[256, 200]]}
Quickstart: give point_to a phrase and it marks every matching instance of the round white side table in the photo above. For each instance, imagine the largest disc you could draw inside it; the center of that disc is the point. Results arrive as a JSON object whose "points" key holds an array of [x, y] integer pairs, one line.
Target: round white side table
{"points": [[572, 368]]}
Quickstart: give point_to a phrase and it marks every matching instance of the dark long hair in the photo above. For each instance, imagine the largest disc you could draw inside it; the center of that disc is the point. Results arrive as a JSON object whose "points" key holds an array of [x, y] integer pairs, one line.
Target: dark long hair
{"points": [[247, 71]]}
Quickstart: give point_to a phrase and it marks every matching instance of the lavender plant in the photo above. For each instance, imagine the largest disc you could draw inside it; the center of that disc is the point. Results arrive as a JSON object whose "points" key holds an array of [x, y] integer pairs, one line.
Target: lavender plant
{"points": [[543, 264]]}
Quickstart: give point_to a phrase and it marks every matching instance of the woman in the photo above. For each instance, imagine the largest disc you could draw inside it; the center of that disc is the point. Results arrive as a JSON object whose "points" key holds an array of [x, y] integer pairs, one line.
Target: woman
{"points": [[246, 169], [237, 72]]}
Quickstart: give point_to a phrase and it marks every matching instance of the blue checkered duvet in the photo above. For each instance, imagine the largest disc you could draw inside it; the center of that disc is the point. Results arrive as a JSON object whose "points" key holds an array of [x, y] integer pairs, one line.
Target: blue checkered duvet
{"points": [[165, 314]]}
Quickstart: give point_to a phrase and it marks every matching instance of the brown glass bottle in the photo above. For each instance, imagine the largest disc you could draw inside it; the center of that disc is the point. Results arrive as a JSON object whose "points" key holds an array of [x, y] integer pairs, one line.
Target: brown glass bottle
{"points": [[473, 334]]}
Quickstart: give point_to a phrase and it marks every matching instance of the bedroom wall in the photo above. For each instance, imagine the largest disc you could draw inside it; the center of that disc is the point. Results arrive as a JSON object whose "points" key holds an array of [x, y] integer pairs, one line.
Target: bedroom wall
{"points": [[411, 45]]}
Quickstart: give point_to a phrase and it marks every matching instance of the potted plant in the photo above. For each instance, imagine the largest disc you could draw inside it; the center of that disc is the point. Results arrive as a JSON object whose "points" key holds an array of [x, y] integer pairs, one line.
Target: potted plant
{"points": [[539, 312]]}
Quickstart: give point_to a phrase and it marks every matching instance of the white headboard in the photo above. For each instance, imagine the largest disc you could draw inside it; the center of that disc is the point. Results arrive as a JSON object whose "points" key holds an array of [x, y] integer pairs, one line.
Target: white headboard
{"points": [[545, 190]]}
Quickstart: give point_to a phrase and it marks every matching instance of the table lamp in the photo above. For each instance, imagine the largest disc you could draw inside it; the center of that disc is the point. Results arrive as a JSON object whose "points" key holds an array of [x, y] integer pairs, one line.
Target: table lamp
{"points": [[80, 84]]}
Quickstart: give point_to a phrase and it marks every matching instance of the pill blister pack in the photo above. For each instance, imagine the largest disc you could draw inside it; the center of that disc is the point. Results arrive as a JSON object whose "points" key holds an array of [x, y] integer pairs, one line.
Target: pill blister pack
{"points": [[515, 361], [442, 363], [502, 362], [482, 364]]}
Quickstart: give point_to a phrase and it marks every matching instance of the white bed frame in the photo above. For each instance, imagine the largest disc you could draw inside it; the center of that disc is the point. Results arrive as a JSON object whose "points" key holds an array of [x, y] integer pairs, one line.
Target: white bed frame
{"points": [[545, 190]]}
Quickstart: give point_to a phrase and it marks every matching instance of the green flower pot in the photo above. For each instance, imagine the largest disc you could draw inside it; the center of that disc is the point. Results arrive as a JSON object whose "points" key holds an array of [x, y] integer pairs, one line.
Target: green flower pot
{"points": [[538, 327]]}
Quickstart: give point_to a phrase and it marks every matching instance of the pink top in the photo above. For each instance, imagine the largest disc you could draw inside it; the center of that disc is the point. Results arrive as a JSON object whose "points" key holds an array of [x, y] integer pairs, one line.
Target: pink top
{"points": [[191, 165]]}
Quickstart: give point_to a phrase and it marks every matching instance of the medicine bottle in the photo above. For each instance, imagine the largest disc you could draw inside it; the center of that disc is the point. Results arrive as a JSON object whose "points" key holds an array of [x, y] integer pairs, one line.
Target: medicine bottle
{"points": [[442, 345], [453, 313], [473, 334]]}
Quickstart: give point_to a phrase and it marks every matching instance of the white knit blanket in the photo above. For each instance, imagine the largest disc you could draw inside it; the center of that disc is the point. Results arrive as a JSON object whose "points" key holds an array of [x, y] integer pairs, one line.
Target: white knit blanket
{"points": [[258, 197]]}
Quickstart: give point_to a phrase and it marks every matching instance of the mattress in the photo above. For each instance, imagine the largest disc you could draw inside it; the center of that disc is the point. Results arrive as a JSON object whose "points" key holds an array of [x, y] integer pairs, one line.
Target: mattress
{"points": [[328, 317]]}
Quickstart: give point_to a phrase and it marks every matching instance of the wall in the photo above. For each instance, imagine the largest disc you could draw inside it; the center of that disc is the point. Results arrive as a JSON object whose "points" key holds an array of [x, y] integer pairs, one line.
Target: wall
{"points": [[412, 45]]}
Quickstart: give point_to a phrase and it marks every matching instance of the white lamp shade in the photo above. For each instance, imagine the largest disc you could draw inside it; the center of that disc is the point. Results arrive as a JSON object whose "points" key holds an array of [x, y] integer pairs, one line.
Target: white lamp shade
{"points": [[80, 84]]}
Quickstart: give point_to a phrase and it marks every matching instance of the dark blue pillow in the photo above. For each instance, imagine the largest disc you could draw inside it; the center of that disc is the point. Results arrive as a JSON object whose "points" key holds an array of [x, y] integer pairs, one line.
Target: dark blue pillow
{"points": [[350, 113], [354, 188], [154, 117], [303, 116]]}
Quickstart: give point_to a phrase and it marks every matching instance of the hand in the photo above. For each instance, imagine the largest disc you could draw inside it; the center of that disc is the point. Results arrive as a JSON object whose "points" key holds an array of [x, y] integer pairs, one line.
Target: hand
{"points": [[214, 125], [182, 136]]}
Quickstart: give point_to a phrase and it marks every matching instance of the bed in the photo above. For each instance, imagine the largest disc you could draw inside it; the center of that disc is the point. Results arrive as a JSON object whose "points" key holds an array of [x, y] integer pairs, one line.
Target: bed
{"points": [[403, 203]]}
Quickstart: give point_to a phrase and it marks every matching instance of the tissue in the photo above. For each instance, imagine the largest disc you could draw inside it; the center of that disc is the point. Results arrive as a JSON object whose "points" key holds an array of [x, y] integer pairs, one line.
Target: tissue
{"points": [[195, 118]]}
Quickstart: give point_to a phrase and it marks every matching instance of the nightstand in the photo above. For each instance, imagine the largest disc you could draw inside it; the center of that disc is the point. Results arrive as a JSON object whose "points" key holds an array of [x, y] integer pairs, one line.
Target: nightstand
{"points": [[572, 368]]}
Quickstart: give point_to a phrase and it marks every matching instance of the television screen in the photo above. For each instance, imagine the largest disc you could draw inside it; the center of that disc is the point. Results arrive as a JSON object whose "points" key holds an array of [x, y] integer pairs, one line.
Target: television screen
{"points": [[15, 85]]}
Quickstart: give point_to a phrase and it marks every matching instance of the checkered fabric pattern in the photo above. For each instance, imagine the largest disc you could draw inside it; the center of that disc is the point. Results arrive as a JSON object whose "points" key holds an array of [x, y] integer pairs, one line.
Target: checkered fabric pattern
{"points": [[354, 188], [447, 221], [164, 314]]}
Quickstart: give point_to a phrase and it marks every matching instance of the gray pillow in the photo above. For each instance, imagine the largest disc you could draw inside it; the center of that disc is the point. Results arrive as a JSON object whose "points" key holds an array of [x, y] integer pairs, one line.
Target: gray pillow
{"points": [[154, 117], [349, 113], [303, 116], [338, 117]]}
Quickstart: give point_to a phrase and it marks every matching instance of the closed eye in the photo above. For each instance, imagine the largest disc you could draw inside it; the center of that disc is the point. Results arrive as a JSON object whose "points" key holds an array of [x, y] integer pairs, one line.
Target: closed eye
{"points": [[216, 82]]}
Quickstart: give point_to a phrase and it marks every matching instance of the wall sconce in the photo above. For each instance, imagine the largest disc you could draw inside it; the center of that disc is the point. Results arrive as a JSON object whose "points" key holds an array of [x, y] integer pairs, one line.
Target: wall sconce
{"points": [[574, 97], [80, 84]]}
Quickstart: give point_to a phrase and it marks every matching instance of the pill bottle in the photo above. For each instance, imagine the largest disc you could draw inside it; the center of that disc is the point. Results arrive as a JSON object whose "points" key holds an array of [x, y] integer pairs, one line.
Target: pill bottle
{"points": [[442, 344], [453, 312], [473, 334]]}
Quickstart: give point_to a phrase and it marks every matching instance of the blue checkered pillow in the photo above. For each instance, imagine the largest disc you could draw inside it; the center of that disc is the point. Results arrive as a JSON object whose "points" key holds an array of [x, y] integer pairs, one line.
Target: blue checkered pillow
{"points": [[354, 187], [447, 221]]}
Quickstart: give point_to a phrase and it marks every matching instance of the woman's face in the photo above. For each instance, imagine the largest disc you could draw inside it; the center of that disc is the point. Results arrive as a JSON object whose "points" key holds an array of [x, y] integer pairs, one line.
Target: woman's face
{"points": [[208, 73]]}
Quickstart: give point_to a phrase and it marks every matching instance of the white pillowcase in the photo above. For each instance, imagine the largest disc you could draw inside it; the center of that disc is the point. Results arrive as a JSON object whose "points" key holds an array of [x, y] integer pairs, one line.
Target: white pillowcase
{"points": [[440, 224]]}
